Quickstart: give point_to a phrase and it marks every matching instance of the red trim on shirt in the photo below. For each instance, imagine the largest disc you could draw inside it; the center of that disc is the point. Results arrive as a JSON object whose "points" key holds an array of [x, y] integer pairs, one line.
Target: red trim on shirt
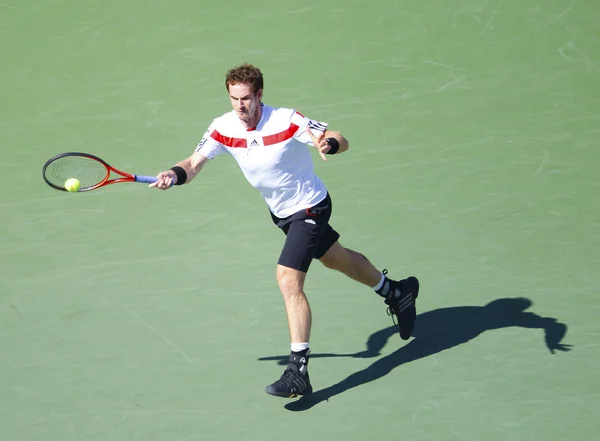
{"points": [[227, 141], [281, 136]]}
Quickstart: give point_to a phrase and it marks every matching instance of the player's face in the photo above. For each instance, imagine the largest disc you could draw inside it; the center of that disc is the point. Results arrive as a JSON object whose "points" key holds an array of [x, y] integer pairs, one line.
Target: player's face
{"points": [[245, 102]]}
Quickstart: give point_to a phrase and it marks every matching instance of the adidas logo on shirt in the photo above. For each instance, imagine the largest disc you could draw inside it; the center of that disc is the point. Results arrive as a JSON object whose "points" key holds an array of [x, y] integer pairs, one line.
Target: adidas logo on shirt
{"points": [[310, 221], [254, 143]]}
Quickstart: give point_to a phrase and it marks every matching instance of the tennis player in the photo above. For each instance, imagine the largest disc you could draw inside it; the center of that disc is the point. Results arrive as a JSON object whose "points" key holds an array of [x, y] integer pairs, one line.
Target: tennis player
{"points": [[270, 146]]}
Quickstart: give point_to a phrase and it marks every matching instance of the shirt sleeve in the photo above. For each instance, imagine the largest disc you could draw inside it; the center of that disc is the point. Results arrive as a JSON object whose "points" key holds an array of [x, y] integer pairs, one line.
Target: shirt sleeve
{"points": [[304, 123], [210, 147]]}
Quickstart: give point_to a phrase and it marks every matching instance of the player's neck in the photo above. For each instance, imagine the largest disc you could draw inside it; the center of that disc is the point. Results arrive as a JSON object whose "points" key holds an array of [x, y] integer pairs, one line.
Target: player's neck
{"points": [[253, 122]]}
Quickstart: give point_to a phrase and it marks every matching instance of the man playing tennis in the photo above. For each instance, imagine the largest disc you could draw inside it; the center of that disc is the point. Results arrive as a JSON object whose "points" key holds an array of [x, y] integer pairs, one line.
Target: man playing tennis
{"points": [[270, 146]]}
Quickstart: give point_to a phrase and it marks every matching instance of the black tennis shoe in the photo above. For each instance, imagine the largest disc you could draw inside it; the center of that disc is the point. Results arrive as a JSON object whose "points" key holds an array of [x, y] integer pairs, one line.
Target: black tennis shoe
{"points": [[292, 383], [401, 298]]}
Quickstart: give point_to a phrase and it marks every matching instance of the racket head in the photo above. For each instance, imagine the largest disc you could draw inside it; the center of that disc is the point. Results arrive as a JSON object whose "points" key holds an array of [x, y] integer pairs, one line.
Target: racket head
{"points": [[91, 171]]}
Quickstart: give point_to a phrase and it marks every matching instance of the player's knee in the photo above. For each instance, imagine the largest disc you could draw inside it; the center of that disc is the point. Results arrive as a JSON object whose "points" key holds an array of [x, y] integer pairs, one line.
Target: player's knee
{"points": [[290, 287], [362, 256], [329, 262], [336, 258], [290, 281]]}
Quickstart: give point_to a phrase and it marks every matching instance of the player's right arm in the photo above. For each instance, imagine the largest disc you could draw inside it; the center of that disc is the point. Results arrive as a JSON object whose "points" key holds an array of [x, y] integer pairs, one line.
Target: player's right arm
{"points": [[192, 166], [206, 150]]}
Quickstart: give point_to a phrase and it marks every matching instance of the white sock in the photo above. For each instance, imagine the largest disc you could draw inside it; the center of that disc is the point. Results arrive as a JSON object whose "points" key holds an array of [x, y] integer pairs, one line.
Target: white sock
{"points": [[380, 284], [299, 347]]}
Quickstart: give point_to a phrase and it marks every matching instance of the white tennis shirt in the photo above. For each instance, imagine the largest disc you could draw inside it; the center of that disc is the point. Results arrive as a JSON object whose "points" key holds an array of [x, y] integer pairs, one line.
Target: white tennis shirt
{"points": [[274, 157]]}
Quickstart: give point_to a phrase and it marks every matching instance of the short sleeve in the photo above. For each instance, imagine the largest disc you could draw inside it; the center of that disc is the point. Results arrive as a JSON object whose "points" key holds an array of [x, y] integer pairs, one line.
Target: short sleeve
{"points": [[210, 147], [305, 123]]}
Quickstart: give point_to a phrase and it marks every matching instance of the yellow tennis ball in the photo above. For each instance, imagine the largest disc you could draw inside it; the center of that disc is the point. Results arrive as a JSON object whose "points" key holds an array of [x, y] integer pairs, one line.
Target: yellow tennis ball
{"points": [[72, 185]]}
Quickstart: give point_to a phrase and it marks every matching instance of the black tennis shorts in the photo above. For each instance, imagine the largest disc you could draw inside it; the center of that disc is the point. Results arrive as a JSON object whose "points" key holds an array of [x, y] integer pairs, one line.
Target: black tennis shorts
{"points": [[308, 235]]}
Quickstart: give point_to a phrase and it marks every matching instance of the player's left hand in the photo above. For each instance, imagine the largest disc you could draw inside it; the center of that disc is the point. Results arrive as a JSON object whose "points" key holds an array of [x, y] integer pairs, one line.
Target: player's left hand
{"points": [[319, 142]]}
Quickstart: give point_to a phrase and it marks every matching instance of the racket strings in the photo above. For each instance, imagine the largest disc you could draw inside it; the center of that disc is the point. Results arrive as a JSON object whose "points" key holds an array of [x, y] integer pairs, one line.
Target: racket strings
{"points": [[88, 171]]}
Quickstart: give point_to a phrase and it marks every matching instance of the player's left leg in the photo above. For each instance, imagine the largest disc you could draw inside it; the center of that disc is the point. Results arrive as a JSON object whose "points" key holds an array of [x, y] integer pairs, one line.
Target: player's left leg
{"points": [[399, 295], [353, 264]]}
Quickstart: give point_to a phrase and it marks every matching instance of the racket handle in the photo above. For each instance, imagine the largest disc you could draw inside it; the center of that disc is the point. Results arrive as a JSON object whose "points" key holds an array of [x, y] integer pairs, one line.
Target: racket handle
{"points": [[145, 179]]}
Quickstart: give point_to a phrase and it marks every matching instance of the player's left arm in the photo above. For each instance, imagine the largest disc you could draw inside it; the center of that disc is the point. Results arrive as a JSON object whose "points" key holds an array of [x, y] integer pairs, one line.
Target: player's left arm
{"points": [[328, 142], [316, 133], [342, 141]]}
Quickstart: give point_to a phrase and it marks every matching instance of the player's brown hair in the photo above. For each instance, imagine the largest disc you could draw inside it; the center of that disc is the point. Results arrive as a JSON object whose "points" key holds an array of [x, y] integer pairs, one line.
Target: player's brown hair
{"points": [[245, 74]]}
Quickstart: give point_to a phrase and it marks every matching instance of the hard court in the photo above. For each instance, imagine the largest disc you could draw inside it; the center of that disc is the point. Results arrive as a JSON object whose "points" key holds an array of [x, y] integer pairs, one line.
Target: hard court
{"points": [[132, 314]]}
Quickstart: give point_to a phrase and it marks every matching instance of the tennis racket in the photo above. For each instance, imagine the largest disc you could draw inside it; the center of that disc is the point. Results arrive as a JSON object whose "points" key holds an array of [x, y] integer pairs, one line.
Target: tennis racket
{"points": [[91, 171]]}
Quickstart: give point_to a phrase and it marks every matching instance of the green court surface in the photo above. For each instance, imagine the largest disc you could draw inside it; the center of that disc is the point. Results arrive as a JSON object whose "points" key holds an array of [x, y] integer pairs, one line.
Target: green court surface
{"points": [[132, 314]]}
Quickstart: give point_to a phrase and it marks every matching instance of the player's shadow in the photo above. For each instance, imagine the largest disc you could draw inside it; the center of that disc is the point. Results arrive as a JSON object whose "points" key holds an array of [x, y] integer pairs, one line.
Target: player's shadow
{"points": [[434, 332]]}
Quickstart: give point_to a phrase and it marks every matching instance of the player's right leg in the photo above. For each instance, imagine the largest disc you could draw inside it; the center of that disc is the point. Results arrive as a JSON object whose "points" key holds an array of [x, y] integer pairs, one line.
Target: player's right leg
{"points": [[303, 230], [295, 379]]}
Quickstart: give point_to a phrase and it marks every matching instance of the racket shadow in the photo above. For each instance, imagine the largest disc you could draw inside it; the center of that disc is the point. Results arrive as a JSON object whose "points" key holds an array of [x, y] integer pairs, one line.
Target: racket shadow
{"points": [[435, 331]]}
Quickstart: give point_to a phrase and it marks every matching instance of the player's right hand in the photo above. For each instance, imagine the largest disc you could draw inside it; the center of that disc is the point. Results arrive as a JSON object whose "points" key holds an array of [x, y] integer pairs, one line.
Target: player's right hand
{"points": [[165, 180]]}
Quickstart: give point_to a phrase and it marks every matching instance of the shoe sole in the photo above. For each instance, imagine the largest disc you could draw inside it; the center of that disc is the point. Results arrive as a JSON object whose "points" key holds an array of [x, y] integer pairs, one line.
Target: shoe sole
{"points": [[308, 390], [415, 293], [416, 282]]}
